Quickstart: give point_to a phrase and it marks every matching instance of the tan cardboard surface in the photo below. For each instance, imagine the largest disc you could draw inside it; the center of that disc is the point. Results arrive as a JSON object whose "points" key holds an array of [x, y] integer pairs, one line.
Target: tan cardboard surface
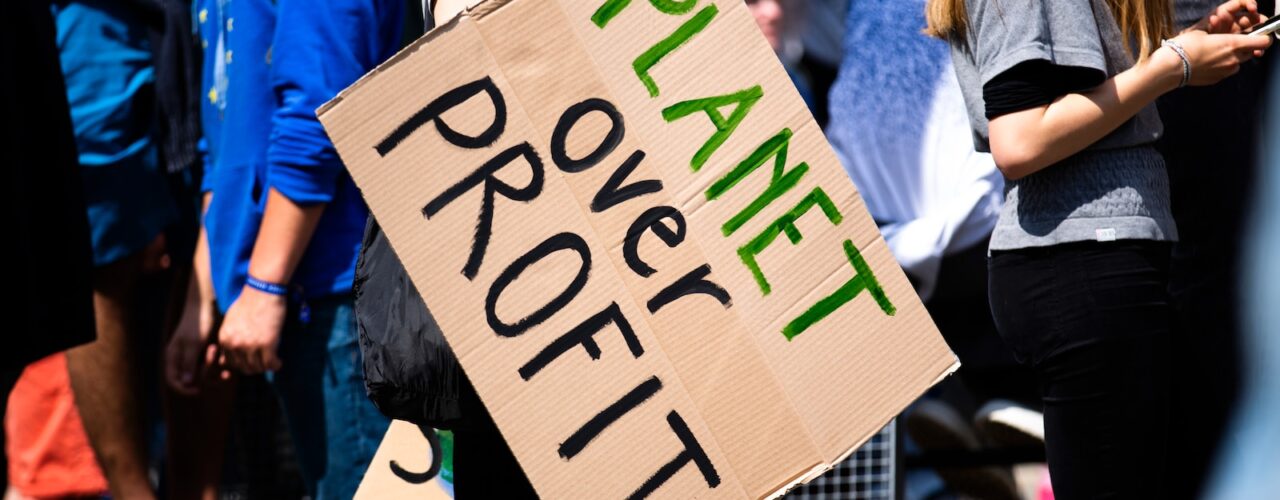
{"points": [[404, 445], [606, 379]]}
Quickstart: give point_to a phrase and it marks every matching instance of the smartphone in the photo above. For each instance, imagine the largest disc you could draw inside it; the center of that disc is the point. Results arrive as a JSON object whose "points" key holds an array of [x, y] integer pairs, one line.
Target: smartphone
{"points": [[1267, 27]]}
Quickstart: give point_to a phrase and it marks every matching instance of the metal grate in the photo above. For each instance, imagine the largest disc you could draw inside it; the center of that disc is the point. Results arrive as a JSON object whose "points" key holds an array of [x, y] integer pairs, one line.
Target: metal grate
{"points": [[868, 474]]}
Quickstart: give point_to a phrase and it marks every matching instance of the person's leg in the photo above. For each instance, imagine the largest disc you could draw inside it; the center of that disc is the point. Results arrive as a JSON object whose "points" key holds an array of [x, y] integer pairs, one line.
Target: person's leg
{"points": [[1104, 419], [336, 429], [195, 444], [1093, 321], [298, 383], [197, 426], [354, 426], [8, 378], [104, 377]]}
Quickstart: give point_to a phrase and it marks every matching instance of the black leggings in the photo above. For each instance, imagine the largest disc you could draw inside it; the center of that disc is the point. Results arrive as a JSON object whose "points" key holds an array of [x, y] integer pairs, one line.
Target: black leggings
{"points": [[1092, 321]]}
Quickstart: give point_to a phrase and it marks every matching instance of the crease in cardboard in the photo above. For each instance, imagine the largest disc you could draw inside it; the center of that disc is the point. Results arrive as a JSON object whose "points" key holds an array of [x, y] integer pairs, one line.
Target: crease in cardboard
{"points": [[825, 467], [613, 266], [647, 141], [694, 194], [788, 313], [647, 138], [806, 124]]}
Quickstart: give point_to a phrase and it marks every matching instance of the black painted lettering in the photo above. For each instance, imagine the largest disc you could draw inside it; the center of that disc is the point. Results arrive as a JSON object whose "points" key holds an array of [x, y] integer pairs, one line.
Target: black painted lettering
{"points": [[436, 460], [486, 175], [571, 117], [692, 452], [584, 335], [583, 436], [651, 220], [695, 282], [557, 243], [613, 192], [432, 111]]}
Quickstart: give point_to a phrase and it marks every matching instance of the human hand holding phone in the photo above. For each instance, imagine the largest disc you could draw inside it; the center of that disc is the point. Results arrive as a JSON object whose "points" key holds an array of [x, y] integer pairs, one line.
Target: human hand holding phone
{"points": [[1268, 27], [1231, 17]]}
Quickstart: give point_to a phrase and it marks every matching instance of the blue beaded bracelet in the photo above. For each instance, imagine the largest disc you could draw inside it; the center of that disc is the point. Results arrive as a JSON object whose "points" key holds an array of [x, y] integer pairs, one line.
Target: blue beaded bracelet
{"points": [[267, 286]]}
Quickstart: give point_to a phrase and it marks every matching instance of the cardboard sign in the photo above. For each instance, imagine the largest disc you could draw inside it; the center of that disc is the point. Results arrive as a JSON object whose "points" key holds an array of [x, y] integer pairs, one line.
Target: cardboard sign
{"points": [[405, 466], [639, 244]]}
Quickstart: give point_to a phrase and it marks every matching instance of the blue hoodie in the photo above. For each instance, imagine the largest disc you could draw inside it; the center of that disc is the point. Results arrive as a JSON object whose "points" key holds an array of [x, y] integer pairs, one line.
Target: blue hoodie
{"points": [[268, 65]]}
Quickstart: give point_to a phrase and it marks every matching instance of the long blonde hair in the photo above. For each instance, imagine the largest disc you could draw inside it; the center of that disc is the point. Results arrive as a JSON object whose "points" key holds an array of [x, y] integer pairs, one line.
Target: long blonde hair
{"points": [[1144, 21]]}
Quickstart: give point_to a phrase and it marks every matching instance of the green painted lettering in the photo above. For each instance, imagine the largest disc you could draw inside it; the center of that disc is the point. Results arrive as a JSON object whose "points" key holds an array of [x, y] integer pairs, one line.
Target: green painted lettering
{"points": [[743, 101], [612, 7], [786, 224], [651, 57], [863, 279], [780, 182]]}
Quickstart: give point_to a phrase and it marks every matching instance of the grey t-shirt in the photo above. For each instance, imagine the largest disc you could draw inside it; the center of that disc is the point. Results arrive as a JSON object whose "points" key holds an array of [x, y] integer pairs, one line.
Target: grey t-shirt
{"points": [[1116, 188], [1081, 33]]}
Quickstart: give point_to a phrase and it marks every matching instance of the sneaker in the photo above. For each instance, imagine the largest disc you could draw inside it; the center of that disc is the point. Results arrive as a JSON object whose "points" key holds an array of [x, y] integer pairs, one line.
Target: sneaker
{"points": [[936, 426], [1009, 424]]}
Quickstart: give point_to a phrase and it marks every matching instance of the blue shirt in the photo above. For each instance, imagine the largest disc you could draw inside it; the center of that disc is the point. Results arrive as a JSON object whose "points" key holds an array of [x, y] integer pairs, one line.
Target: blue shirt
{"points": [[263, 81], [106, 59]]}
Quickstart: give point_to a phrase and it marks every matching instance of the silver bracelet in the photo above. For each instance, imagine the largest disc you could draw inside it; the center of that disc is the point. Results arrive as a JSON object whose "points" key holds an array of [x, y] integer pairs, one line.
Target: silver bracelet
{"points": [[1186, 61]]}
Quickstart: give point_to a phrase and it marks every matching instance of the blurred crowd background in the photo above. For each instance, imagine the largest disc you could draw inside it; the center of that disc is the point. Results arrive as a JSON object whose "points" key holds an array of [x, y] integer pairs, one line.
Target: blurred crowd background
{"points": [[133, 284]]}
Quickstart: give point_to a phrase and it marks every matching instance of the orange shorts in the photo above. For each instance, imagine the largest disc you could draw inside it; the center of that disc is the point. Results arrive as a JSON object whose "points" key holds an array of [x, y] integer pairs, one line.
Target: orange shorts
{"points": [[49, 454]]}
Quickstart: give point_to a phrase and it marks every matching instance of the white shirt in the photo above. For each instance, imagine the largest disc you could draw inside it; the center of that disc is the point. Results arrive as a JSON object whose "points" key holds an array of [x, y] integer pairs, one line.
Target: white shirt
{"points": [[940, 202]]}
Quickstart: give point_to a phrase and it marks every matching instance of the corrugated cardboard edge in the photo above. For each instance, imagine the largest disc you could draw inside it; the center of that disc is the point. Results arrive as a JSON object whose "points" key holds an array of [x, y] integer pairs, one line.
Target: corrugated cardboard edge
{"points": [[821, 469], [478, 11], [482, 10]]}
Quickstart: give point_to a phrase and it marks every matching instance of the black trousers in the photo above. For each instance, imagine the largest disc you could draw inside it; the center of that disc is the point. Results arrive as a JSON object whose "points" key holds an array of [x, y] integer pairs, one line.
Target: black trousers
{"points": [[1092, 321]]}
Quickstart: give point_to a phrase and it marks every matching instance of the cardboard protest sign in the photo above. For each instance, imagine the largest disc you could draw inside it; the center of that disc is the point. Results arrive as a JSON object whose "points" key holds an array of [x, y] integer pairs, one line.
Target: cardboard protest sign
{"points": [[408, 467], [639, 244]]}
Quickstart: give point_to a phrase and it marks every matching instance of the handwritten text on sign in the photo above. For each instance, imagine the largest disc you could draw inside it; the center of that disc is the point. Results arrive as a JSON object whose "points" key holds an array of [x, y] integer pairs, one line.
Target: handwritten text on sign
{"points": [[562, 180], [664, 221]]}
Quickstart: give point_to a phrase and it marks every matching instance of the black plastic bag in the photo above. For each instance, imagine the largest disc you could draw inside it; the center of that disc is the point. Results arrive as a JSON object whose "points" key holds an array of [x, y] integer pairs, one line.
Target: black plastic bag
{"points": [[410, 372]]}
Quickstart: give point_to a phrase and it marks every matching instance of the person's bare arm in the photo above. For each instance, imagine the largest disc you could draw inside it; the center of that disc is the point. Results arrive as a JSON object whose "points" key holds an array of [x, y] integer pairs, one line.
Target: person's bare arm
{"points": [[1027, 141], [251, 330], [192, 335], [283, 236]]}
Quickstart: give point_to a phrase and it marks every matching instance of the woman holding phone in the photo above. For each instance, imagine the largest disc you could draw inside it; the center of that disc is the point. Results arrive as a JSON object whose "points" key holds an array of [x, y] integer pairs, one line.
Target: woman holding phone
{"points": [[1060, 92]]}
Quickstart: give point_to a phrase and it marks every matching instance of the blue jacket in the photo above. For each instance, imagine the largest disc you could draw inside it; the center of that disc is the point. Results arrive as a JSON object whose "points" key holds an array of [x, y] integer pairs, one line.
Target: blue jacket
{"points": [[106, 60], [268, 65]]}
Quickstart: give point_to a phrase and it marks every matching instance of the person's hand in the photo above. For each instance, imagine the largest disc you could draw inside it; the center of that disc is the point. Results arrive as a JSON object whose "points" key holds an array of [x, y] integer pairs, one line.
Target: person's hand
{"points": [[1232, 17], [190, 350], [1212, 57], [446, 9], [250, 331]]}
